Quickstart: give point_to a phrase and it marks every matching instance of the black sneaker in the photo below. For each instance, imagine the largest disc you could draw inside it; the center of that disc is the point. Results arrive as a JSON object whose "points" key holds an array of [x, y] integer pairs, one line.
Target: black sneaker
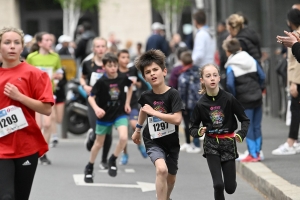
{"points": [[88, 175], [90, 139], [44, 160], [103, 165], [112, 168]]}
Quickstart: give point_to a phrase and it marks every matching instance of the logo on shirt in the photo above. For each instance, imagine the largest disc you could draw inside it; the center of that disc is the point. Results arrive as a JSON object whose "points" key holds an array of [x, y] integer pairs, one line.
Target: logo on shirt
{"points": [[114, 91], [217, 118], [3, 113], [158, 106]]}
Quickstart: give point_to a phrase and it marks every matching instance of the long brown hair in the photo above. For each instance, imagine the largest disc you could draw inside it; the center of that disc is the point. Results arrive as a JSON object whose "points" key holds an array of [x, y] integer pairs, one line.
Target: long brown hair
{"points": [[38, 38], [203, 88]]}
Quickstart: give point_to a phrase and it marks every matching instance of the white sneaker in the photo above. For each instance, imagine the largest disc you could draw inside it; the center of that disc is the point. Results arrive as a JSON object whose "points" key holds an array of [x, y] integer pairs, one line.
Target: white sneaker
{"points": [[185, 146], [193, 149], [284, 149], [297, 147]]}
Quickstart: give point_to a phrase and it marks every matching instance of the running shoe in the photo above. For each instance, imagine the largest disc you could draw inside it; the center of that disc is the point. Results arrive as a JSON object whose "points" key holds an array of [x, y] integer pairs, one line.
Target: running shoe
{"points": [[88, 175], [193, 149], [112, 168], [284, 149], [124, 159], [142, 150], [297, 147], [44, 160], [103, 165], [185, 146], [249, 158]]}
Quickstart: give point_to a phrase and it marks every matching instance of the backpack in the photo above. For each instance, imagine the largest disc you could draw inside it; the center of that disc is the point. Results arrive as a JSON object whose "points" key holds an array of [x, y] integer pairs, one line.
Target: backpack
{"points": [[189, 86]]}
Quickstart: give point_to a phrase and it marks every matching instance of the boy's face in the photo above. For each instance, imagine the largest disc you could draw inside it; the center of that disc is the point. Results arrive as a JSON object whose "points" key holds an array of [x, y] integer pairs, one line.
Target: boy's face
{"points": [[123, 60], [111, 69], [154, 74]]}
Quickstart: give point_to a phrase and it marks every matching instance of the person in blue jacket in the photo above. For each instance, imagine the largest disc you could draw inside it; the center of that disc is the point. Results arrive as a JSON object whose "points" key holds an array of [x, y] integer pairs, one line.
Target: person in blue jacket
{"points": [[245, 80]]}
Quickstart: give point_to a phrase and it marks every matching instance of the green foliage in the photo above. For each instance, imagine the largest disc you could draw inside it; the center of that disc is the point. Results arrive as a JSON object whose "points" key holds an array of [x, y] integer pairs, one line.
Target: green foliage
{"points": [[174, 5], [82, 4]]}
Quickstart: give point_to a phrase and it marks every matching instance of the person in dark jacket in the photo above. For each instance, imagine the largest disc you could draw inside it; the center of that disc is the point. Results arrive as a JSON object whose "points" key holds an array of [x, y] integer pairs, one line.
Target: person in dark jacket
{"points": [[245, 81], [82, 49], [156, 40]]}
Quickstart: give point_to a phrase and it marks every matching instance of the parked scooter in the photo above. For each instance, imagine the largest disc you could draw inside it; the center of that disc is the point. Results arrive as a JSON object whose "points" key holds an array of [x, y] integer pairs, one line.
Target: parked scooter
{"points": [[76, 113]]}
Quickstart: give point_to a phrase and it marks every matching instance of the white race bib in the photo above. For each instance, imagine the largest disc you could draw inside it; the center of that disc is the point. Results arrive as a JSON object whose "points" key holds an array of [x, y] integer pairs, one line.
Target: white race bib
{"points": [[11, 119], [94, 77], [159, 128], [48, 70]]}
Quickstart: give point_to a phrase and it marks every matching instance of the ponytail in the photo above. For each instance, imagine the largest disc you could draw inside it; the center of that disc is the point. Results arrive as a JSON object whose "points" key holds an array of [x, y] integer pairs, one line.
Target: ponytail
{"points": [[38, 38]]}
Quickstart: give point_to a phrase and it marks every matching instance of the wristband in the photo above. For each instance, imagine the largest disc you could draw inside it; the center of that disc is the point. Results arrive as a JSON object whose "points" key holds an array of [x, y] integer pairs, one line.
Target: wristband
{"points": [[199, 131], [138, 125]]}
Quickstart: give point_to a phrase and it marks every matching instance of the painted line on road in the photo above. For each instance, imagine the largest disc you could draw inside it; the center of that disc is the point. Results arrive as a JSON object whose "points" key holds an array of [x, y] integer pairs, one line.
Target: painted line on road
{"points": [[129, 171], [145, 187]]}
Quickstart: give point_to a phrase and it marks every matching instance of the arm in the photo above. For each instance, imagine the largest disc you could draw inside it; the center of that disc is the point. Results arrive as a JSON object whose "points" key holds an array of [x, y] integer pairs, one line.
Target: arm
{"points": [[13, 92], [98, 111], [136, 136], [296, 51], [195, 122], [230, 81], [199, 48], [128, 99], [240, 114]]}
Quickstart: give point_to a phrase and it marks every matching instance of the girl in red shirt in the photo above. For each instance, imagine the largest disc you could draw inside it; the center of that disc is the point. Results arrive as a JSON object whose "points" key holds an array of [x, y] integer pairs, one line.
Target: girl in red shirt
{"points": [[24, 90]]}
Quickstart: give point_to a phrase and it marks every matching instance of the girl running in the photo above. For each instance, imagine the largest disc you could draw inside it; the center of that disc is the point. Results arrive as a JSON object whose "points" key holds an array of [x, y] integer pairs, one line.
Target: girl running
{"points": [[216, 110], [21, 141]]}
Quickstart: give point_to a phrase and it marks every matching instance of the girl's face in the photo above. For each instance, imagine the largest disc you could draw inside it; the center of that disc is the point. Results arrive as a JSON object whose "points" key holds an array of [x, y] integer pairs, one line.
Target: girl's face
{"points": [[99, 48], [111, 69], [154, 74], [11, 46], [210, 77], [123, 60], [46, 42]]}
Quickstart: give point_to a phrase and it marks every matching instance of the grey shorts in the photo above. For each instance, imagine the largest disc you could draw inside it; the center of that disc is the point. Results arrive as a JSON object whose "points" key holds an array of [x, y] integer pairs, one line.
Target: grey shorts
{"points": [[171, 158]]}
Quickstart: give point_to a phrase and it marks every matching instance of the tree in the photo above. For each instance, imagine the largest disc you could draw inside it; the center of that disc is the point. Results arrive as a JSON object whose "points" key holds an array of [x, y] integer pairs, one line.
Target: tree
{"points": [[72, 10], [170, 10]]}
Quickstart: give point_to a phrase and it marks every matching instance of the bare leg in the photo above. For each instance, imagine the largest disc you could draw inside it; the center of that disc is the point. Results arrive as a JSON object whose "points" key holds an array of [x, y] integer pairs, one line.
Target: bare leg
{"points": [[171, 182], [161, 179], [123, 137], [96, 147]]}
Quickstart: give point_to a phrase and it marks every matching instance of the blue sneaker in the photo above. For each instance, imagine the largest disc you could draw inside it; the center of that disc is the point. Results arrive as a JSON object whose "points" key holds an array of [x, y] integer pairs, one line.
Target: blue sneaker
{"points": [[142, 150], [124, 159]]}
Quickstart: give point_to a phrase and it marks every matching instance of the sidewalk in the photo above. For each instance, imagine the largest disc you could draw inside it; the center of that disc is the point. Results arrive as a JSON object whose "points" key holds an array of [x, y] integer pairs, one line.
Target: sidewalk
{"points": [[277, 177]]}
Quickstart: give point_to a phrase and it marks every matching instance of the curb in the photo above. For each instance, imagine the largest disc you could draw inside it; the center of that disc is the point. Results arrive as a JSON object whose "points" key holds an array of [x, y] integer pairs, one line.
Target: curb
{"points": [[267, 182]]}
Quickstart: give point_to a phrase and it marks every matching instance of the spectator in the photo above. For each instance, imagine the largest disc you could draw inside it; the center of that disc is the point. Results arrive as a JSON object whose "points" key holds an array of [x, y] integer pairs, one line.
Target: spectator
{"points": [[204, 44], [156, 40]]}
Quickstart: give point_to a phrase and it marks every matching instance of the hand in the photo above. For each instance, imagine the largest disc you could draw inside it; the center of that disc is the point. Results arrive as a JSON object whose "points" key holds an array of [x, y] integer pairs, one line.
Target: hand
{"points": [[203, 130], [136, 137], [99, 112], [127, 108], [148, 109], [12, 91], [293, 90], [87, 89], [288, 40], [237, 138]]}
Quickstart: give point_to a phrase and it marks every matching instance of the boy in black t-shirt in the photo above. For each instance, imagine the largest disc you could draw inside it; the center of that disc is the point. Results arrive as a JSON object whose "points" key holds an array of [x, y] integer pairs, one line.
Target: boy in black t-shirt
{"points": [[132, 74], [162, 107], [111, 105]]}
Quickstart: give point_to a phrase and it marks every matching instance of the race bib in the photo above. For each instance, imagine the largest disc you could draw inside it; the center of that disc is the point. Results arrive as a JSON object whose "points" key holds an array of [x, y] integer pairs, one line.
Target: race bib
{"points": [[94, 77], [133, 78], [48, 70], [11, 119], [159, 128]]}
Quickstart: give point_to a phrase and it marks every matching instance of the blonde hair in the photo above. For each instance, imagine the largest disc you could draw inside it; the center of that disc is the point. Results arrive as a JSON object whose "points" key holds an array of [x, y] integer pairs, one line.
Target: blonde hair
{"points": [[236, 22], [94, 41], [203, 88], [12, 29]]}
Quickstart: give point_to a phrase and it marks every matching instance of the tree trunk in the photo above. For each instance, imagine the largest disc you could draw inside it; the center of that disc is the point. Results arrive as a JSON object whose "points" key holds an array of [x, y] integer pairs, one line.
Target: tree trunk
{"points": [[71, 15]]}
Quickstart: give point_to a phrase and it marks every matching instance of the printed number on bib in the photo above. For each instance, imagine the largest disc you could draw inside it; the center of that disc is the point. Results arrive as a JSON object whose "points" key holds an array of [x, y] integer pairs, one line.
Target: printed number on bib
{"points": [[159, 128], [94, 77], [11, 119], [48, 70]]}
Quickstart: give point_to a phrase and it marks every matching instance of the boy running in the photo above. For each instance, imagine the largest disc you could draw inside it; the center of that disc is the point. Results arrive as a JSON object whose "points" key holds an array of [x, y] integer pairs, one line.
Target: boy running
{"points": [[110, 104], [162, 107]]}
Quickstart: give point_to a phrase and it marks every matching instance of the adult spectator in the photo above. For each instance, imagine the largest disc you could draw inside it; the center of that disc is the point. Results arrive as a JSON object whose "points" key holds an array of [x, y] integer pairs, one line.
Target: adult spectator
{"points": [[204, 44], [291, 146], [292, 40], [156, 40], [247, 37], [84, 46]]}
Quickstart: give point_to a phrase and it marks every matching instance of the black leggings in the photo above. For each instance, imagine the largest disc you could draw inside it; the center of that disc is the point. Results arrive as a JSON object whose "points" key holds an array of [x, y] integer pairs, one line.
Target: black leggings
{"points": [[108, 138], [295, 118], [16, 177], [216, 168]]}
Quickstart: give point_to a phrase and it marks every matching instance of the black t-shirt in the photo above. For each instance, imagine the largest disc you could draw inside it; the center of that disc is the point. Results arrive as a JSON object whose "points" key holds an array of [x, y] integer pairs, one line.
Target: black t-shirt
{"points": [[217, 114], [168, 102], [132, 72], [88, 67], [110, 96]]}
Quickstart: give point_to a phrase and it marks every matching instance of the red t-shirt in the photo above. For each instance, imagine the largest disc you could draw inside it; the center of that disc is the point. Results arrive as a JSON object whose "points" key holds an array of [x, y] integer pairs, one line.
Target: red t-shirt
{"points": [[35, 84]]}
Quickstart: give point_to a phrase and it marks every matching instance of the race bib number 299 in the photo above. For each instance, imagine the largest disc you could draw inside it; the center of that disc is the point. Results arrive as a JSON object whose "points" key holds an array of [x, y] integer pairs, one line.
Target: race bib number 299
{"points": [[11, 119]]}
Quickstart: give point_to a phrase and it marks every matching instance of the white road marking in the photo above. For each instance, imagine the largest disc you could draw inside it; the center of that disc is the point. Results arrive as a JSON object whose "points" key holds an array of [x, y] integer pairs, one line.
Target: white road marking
{"points": [[145, 187]]}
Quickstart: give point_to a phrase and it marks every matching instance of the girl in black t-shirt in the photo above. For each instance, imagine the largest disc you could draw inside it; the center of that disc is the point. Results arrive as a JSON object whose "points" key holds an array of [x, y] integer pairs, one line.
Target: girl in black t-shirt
{"points": [[91, 71], [216, 110]]}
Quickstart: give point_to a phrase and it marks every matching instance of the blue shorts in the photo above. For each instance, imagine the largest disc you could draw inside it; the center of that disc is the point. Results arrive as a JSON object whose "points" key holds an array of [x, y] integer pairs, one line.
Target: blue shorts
{"points": [[134, 114]]}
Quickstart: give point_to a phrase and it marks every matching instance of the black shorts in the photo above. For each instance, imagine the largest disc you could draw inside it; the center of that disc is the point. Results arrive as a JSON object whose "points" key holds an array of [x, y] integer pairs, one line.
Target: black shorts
{"points": [[225, 148], [171, 158]]}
